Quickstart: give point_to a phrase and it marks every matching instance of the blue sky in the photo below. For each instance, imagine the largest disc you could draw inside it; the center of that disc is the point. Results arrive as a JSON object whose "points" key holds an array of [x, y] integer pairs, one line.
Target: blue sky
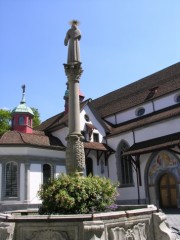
{"points": [[122, 41]]}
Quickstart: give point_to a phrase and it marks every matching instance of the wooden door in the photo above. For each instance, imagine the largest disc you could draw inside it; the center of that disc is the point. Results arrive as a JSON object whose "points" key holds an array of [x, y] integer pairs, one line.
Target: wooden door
{"points": [[168, 195]]}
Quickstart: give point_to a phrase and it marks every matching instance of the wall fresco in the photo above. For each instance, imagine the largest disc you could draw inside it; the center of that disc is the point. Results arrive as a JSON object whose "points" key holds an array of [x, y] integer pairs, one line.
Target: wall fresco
{"points": [[163, 161]]}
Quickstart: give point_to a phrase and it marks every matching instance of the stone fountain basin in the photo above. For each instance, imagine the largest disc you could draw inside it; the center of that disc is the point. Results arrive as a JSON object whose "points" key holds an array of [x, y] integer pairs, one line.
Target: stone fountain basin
{"points": [[136, 223]]}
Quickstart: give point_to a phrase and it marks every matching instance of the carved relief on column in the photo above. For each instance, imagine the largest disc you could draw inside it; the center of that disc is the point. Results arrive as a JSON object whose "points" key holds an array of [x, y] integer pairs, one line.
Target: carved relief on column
{"points": [[136, 233], [75, 157]]}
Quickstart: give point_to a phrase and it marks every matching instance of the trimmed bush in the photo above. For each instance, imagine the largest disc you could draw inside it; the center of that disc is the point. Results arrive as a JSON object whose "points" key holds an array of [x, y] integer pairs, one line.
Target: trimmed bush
{"points": [[75, 194]]}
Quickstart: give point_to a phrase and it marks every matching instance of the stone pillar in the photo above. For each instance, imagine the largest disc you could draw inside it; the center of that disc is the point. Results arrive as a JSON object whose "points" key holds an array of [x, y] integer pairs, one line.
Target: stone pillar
{"points": [[22, 181], [27, 183], [75, 157]]}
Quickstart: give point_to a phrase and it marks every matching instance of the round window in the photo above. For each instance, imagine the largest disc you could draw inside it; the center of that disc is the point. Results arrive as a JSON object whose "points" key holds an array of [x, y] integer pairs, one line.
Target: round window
{"points": [[178, 98], [140, 112], [86, 117]]}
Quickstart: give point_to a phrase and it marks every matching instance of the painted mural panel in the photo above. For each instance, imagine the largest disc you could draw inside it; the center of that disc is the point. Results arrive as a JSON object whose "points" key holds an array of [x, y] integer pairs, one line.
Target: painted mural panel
{"points": [[161, 162]]}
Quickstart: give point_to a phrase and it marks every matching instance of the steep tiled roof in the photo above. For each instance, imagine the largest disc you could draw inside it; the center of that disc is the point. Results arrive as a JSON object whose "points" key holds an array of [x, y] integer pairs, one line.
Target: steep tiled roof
{"points": [[154, 144], [35, 139], [97, 146], [164, 81], [51, 121], [170, 112]]}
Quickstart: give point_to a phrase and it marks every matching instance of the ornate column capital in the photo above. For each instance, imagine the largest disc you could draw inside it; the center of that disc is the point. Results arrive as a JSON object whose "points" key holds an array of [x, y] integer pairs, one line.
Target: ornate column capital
{"points": [[73, 71]]}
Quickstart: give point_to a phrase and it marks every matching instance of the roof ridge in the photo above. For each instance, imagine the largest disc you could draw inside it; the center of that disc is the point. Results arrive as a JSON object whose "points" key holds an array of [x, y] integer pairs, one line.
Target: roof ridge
{"points": [[21, 136], [167, 74]]}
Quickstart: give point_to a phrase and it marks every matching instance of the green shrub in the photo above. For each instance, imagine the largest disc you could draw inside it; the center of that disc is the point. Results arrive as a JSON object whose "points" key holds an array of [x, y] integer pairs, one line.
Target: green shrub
{"points": [[69, 194]]}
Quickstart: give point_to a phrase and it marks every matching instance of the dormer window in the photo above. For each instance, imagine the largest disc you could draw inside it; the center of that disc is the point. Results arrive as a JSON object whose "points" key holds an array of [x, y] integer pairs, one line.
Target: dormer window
{"points": [[151, 93], [21, 120], [89, 128], [95, 137]]}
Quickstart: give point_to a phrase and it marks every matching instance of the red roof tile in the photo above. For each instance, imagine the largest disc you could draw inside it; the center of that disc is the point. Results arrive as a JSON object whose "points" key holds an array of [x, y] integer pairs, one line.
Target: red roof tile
{"points": [[136, 93], [97, 146], [37, 138], [154, 144]]}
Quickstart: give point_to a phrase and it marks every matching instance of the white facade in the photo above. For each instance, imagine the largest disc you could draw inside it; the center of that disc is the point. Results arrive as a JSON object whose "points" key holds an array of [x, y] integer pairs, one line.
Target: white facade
{"points": [[136, 146]]}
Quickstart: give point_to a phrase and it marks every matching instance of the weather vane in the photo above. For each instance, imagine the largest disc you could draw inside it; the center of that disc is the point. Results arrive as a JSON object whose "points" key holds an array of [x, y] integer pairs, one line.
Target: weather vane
{"points": [[23, 88]]}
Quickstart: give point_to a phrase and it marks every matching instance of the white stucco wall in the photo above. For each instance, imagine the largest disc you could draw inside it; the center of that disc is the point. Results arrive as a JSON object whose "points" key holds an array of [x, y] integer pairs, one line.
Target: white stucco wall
{"points": [[131, 113], [112, 168], [114, 141], [22, 181], [111, 119], [148, 132], [61, 134], [29, 151], [35, 180], [157, 129], [99, 128], [166, 101], [59, 169]]}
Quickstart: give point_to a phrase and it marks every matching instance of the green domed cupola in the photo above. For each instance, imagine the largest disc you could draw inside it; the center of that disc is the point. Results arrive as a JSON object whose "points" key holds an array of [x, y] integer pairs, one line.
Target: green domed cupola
{"points": [[22, 116]]}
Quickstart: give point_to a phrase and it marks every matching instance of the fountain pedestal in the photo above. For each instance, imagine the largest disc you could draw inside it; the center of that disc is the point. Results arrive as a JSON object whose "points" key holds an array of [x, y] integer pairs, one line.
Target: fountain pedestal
{"points": [[75, 157]]}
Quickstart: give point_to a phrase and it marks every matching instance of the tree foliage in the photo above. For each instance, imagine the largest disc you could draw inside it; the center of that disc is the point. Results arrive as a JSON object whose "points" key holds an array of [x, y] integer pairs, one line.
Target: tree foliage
{"points": [[75, 194], [36, 119], [5, 121]]}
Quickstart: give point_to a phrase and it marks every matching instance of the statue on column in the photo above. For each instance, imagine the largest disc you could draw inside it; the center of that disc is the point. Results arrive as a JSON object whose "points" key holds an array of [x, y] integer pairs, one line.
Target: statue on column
{"points": [[72, 38]]}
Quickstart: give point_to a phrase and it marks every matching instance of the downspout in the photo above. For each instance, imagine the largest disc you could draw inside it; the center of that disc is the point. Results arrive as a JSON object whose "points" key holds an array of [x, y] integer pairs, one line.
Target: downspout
{"points": [[115, 119], [153, 106], [137, 175], [134, 140]]}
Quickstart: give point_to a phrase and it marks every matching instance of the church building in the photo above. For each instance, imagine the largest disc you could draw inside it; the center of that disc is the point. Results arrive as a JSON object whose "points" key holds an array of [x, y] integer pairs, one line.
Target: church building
{"points": [[131, 135]]}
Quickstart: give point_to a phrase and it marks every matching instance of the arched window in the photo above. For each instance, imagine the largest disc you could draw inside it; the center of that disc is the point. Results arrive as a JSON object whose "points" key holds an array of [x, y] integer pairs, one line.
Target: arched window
{"points": [[46, 173], [29, 122], [21, 120], [124, 166], [89, 166], [11, 189]]}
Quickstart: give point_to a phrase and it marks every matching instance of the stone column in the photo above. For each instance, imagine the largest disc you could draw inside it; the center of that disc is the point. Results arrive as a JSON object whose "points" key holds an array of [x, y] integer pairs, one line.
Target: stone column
{"points": [[75, 157], [27, 183]]}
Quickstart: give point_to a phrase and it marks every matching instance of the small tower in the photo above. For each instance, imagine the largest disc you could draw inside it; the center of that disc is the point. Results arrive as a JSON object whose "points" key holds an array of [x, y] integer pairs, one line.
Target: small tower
{"points": [[22, 116]]}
